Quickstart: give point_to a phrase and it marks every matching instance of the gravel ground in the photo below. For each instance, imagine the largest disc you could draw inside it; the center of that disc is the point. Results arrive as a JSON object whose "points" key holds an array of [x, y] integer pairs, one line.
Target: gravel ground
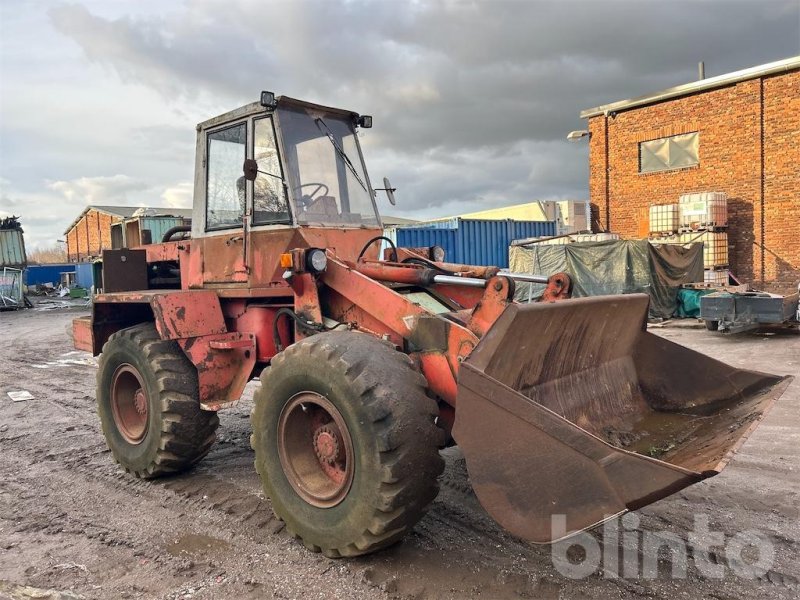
{"points": [[70, 520]]}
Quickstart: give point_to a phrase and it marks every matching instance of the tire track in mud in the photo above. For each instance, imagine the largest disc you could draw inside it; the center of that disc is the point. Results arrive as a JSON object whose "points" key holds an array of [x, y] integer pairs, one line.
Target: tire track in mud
{"points": [[456, 517], [197, 488], [54, 515], [456, 550], [459, 508]]}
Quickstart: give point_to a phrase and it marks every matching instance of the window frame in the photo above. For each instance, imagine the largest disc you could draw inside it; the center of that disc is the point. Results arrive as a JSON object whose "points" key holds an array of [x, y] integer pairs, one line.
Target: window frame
{"points": [[209, 133], [278, 125], [284, 182], [667, 168]]}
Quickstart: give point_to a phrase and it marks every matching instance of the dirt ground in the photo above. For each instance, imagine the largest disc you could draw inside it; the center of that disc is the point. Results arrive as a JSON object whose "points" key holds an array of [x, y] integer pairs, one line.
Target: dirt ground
{"points": [[70, 520]]}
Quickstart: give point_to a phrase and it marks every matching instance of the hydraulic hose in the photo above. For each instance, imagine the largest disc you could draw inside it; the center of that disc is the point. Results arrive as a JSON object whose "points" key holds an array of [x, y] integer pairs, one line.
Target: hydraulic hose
{"points": [[173, 230], [301, 323], [375, 239]]}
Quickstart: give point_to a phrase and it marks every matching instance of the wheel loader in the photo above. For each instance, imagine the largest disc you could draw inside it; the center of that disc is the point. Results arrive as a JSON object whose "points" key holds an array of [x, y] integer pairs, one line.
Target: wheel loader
{"points": [[370, 361]]}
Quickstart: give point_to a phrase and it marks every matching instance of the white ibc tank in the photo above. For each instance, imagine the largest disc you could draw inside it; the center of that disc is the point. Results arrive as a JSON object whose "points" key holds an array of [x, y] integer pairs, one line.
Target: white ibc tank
{"points": [[663, 218], [716, 277], [703, 210], [594, 237], [666, 239], [715, 247]]}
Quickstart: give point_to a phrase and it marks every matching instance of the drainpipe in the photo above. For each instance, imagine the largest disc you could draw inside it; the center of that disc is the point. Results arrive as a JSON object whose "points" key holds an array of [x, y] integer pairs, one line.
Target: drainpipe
{"points": [[763, 217], [607, 183]]}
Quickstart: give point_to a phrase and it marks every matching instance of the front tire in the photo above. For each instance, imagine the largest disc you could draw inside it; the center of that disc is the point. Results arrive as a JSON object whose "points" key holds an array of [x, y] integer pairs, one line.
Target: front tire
{"points": [[147, 401], [346, 442]]}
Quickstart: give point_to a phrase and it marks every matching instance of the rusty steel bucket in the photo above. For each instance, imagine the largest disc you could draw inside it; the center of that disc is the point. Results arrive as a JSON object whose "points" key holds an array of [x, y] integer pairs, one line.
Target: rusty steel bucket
{"points": [[572, 408]]}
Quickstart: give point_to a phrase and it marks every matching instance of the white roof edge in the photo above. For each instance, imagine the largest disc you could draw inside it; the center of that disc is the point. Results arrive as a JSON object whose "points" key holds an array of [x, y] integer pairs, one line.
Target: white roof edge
{"points": [[780, 66]]}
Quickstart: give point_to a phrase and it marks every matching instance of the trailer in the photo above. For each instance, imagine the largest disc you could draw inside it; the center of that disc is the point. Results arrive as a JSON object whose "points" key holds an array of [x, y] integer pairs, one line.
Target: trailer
{"points": [[734, 312]]}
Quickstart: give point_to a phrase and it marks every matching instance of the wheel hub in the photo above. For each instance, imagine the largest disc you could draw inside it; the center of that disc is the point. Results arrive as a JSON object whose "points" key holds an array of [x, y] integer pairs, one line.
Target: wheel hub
{"points": [[326, 444], [129, 404], [315, 449], [140, 401]]}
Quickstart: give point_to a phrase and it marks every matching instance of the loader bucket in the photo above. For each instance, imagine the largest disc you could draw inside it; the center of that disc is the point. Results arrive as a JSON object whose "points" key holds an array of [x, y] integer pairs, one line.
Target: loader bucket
{"points": [[572, 408]]}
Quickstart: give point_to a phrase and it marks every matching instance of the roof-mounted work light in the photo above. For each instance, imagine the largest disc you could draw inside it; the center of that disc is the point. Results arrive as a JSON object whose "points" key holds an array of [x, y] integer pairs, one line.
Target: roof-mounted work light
{"points": [[268, 100]]}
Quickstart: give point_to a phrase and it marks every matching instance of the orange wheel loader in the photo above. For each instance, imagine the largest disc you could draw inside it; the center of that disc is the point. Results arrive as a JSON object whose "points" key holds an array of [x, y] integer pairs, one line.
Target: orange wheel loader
{"points": [[370, 362]]}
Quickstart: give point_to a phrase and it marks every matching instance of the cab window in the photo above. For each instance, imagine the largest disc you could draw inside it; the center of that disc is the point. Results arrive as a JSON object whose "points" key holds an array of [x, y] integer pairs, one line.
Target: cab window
{"points": [[324, 166], [225, 184], [270, 204]]}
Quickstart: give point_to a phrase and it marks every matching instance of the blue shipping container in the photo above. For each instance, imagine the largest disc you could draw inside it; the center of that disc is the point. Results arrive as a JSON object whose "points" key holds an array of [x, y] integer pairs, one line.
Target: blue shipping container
{"points": [[84, 275], [474, 241], [41, 274]]}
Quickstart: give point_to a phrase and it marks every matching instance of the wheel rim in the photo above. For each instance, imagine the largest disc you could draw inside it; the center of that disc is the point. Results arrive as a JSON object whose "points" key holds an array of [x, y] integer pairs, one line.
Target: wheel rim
{"points": [[315, 449], [129, 403]]}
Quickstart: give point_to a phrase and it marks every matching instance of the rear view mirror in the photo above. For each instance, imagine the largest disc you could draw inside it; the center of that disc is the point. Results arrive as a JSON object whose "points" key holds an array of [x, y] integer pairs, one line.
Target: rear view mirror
{"points": [[250, 169], [389, 191]]}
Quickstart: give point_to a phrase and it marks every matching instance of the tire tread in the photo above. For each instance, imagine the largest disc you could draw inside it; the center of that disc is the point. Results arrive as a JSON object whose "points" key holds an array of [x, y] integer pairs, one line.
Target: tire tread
{"points": [[394, 397], [187, 432]]}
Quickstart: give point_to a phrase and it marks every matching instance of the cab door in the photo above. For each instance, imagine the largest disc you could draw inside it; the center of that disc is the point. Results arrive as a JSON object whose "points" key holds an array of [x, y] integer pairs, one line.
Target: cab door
{"points": [[224, 244]]}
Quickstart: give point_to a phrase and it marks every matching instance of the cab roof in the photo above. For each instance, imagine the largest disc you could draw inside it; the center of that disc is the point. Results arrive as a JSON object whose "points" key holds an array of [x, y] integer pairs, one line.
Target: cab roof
{"points": [[255, 108]]}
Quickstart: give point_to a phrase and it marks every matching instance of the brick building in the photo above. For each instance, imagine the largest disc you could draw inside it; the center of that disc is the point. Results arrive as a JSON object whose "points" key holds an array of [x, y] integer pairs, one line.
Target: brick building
{"points": [[737, 133], [90, 233]]}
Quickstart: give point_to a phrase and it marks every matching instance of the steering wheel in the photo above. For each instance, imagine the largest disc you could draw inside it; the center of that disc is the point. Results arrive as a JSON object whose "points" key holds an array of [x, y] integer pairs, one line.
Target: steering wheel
{"points": [[306, 199]]}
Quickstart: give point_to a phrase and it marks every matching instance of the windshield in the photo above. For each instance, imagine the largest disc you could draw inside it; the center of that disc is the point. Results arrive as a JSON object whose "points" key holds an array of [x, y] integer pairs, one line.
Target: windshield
{"points": [[324, 168]]}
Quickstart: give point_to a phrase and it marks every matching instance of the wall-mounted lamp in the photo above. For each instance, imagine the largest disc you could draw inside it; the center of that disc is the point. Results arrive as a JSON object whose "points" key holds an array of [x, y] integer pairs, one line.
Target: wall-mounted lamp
{"points": [[576, 135]]}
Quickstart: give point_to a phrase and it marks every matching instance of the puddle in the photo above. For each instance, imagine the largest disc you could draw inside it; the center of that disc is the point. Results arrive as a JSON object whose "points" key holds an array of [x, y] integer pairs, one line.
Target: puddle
{"points": [[197, 544]]}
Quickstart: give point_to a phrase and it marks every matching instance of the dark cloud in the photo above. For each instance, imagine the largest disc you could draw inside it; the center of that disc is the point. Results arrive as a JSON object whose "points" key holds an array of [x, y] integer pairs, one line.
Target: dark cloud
{"points": [[450, 74], [472, 100]]}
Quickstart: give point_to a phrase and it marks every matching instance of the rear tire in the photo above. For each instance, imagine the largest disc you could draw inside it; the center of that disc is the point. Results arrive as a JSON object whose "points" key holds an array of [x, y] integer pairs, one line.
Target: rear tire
{"points": [[147, 400], [358, 395], [712, 325]]}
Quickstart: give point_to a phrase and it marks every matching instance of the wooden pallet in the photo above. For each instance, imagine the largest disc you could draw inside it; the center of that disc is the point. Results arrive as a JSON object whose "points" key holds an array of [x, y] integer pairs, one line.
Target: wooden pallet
{"points": [[702, 285], [702, 229]]}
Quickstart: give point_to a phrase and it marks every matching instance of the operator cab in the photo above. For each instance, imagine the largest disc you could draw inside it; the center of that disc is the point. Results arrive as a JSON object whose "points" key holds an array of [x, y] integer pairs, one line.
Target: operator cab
{"points": [[281, 163]]}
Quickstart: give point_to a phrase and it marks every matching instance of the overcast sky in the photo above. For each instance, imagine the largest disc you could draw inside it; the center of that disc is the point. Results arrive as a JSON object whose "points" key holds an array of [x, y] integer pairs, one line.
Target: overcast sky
{"points": [[472, 100]]}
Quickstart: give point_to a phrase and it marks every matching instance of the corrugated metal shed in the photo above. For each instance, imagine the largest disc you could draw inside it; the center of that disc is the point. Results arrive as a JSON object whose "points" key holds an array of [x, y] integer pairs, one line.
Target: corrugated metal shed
{"points": [[12, 248], [473, 242], [158, 226]]}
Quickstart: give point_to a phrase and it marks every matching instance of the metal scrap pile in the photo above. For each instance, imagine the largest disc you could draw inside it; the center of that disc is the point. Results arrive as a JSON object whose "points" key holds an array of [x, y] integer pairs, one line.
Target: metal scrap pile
{"points": [[12, 222]]}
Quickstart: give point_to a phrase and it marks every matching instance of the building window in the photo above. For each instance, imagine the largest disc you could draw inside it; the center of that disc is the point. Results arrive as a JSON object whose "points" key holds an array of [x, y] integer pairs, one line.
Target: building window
{"points": [[666, 154]]}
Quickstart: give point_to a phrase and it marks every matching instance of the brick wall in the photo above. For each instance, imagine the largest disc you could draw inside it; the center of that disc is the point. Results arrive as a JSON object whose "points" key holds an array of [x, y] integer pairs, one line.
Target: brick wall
{"points": [[730, 121], [72, 245], [90, 235], [782, 177]]}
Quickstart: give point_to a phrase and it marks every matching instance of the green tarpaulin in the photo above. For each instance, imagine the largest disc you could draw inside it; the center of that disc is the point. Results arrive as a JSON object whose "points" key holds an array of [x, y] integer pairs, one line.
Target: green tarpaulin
{"points": [[613, 267]]}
